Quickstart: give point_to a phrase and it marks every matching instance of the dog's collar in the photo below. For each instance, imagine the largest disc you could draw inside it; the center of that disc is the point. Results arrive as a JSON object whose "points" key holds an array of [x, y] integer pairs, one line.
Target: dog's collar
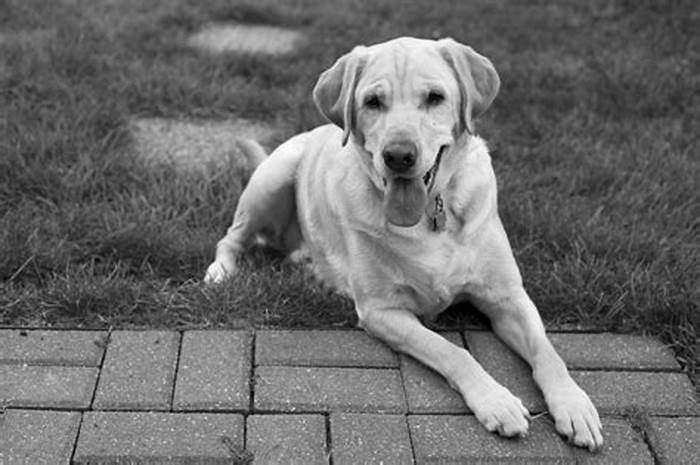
{"points": [[436, 210], [430, 175]]}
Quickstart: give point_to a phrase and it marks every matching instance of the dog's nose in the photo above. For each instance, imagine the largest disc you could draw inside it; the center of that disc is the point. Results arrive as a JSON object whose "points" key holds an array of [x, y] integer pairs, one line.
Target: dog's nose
{"points": [[400, 156]]}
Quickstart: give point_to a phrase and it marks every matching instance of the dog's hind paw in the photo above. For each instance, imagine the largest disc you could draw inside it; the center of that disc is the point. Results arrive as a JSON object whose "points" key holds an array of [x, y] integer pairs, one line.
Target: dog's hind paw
{"points": [[219, 272]]}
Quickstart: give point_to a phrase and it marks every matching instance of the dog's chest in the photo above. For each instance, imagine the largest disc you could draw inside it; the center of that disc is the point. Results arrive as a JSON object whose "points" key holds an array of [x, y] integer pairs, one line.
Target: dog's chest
{"points": [[430, 270], [421, 270]]}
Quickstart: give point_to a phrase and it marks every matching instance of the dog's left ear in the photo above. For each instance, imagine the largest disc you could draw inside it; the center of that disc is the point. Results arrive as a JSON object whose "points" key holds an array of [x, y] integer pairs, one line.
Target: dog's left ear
{"points": [[334, 92], [477, 78]]}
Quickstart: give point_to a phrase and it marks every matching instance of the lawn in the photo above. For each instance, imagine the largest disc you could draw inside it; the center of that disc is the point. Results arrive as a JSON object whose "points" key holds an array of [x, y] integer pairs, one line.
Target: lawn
{"points": [[594, 136]]}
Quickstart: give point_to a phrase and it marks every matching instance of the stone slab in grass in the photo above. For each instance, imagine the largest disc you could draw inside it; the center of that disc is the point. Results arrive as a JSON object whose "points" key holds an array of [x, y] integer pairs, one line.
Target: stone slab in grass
{"points": [[138, 371], [287, 439], [622, 444], [661, 393], [462, 439], [45, 386], [249, 39], [159, 437], [214, 371], [426, 390], [613, 351], [39, 347], [322, 348], [370, 438], [37, 436], [506, 367], [196, 145], [676, 440], [314, 389]]}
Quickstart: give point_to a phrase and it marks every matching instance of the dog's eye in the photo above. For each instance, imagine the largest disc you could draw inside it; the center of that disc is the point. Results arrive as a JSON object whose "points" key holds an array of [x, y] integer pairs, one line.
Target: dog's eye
{"points": [[434, 98], [373, 102]]}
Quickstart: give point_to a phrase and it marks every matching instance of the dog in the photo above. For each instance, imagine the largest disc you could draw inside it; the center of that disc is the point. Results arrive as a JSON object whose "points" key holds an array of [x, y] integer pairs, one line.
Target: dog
{"points": [[395, 204]]}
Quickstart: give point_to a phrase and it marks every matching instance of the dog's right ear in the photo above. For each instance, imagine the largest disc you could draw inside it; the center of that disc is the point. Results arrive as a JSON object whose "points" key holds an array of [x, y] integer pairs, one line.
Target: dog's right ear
{"points": [[334, 92], [477, 78]]}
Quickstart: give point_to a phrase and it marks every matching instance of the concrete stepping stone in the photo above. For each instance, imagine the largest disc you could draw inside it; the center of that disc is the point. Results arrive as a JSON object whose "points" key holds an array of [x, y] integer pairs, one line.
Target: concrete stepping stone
{"points": [[370, 438], [47, 386], [156, 437], [676, 440], [214, 371], [461, 439], [316, 389], [255, 39], [138, 371], [195, 145], [613, 351], [77, 348], [614, 392], [36, 436], [322, 348], [287, 439]]}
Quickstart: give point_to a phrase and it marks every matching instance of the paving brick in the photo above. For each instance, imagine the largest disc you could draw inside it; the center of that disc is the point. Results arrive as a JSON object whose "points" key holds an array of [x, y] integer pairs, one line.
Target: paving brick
{"points": [[676, 440], [427, 391], [278, 439], [370, 439], [37, 437], [622, 445], [506, 367], [41, 386], [613, 351], [138, 371], [157, 437], [461, 439], [302, 389], [214, 371], [322, 348], [81, 348], [657, 393]]}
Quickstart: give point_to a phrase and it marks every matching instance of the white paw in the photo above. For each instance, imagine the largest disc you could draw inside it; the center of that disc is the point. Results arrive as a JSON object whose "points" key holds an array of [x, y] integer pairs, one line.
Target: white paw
{"points": [[574, 415], [219, 271], [499, 410]]}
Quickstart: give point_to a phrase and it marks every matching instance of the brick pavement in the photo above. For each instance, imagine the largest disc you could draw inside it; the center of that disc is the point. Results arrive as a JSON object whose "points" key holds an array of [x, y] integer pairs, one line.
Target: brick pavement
{"points": [[316, 396]]}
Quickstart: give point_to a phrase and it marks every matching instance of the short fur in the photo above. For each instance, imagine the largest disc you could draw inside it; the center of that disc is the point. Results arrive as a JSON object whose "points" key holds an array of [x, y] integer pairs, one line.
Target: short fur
{"points": [[371, 233]]}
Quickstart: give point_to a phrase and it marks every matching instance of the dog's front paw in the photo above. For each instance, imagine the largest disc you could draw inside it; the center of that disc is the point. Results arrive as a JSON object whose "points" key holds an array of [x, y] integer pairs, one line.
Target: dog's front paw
{"points": [[219, 271], [499, 410], [574, 415]]}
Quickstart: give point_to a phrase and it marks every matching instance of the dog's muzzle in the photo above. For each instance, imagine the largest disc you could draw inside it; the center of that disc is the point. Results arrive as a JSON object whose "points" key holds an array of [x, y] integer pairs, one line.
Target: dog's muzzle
{"points": [[406, 199]]}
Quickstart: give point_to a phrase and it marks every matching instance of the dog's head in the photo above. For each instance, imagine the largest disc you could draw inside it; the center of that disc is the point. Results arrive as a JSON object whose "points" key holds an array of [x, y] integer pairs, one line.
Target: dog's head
{"points": [[404, 103]]}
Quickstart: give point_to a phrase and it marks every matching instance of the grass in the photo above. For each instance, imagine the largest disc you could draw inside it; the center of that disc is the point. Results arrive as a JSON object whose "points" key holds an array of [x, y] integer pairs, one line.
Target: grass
{"points": [[594, 139]]}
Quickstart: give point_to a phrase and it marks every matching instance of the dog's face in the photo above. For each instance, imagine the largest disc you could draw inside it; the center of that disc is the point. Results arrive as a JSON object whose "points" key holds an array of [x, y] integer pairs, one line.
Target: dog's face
{"points": [[404, 103]]}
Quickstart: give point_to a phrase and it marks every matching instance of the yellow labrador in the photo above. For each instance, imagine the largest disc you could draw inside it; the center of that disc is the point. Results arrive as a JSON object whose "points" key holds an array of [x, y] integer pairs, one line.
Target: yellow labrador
{"points": [[395, 202]]}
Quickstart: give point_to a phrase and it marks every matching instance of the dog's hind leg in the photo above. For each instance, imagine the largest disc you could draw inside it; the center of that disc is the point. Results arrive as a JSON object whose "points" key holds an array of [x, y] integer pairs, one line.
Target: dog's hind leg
{"points": [[267, 207]]}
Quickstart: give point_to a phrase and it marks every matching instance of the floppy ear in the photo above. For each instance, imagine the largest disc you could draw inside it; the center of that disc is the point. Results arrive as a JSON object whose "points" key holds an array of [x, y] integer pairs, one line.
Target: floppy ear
{"points": [[334, 92], [477, 78]]}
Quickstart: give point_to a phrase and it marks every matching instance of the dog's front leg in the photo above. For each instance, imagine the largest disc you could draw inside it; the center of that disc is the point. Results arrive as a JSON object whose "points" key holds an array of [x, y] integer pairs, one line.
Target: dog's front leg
{"points": [[494, 406], [517, 322]]}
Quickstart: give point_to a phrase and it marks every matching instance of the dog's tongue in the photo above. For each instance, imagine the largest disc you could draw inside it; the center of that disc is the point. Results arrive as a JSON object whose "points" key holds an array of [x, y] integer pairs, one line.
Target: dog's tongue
{"points": [[405, 201]]}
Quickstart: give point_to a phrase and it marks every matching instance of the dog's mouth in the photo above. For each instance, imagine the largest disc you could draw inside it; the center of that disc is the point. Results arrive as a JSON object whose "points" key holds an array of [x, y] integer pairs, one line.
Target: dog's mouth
{"points": [[406, 199]]}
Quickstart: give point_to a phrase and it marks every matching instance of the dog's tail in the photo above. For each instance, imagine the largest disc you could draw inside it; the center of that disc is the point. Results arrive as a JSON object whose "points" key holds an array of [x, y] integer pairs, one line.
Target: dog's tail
{"points": [[252, 151]]}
